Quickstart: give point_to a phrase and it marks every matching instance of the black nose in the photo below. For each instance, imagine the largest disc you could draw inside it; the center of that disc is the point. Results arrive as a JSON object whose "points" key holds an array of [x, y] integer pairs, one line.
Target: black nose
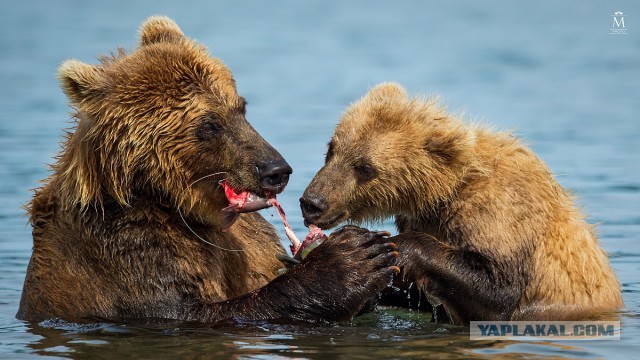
{"points": [[274, 175], [312, 206]]}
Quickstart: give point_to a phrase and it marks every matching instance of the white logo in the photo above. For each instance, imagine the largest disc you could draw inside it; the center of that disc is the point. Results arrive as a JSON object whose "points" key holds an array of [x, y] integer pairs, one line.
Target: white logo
{"points": [[617, 24]]}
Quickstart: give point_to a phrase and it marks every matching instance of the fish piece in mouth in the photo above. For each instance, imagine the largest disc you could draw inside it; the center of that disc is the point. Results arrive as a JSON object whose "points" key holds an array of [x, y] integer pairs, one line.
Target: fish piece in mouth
{"points": [[240, 201], [243, 201]]}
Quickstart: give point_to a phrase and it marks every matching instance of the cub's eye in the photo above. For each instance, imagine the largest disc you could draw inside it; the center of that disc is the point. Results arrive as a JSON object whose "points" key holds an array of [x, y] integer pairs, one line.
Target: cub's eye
{"points": [[208, 129], [365, 172], [329, 154]]}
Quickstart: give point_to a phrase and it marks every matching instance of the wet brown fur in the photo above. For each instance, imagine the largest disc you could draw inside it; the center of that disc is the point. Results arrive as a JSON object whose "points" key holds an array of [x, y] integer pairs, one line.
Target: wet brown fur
{"points": [[106, 217], [464, 194], [109, 239]]}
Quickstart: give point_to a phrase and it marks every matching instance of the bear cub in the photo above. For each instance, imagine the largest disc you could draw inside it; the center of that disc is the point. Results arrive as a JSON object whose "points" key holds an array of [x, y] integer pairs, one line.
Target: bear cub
{"points": [[485, 231]]}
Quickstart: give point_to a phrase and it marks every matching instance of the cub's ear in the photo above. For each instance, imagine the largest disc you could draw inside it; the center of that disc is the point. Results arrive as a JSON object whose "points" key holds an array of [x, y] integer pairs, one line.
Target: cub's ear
{"points": [[386, 91], [451, 146], [158, 29], [78, 80]]}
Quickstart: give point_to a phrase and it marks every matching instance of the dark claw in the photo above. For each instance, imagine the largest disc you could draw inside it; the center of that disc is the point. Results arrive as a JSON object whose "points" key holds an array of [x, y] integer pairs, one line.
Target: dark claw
{"points": [[391, 246], [381, 233], [393, 254], [287, 261], [393, 270]]}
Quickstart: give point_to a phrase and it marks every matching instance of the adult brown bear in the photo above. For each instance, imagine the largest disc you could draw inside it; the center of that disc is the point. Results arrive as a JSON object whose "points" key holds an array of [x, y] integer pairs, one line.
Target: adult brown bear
{"points": [[485, 230], [109, 238]]}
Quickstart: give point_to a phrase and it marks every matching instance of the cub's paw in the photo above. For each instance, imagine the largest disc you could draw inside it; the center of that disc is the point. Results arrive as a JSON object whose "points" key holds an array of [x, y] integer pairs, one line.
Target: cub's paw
{"points": [[341, 275]]}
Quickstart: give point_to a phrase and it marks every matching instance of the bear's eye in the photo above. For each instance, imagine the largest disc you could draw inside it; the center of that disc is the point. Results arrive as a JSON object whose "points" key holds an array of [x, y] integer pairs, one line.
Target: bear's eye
{"points": [[329, 154], [365, 172], [208, 129]]}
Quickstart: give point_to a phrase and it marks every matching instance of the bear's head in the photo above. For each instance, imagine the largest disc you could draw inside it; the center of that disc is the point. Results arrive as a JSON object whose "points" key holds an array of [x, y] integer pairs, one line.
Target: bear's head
{"points": [[389, 155], [155, 122]]}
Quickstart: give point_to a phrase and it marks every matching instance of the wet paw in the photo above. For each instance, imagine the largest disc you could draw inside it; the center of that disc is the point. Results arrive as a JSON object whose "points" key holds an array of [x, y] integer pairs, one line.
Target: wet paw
{"points": [[350, 268]]}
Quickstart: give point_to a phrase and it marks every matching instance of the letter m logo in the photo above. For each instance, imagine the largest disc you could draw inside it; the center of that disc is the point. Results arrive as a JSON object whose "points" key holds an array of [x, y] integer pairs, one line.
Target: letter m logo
{"points": [[618, 23]]}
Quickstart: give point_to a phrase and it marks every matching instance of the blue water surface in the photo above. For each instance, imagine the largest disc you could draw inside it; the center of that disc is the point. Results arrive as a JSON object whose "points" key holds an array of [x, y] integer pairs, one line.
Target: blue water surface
{"points": [[548, 70]]}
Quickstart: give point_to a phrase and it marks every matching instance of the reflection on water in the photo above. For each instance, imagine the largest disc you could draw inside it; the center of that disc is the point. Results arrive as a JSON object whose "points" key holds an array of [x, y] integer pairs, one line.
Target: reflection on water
{"points": [[550, 70], [384, 334]]}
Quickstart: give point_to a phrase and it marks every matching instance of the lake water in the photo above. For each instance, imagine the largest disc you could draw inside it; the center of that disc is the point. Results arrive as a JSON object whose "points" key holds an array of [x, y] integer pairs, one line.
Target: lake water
{"points": [[549, 70]]}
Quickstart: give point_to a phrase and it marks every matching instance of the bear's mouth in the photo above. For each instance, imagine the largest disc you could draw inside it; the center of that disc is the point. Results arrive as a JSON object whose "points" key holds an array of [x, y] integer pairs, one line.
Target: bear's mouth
{"points": [[242, 201], [332, 222]]}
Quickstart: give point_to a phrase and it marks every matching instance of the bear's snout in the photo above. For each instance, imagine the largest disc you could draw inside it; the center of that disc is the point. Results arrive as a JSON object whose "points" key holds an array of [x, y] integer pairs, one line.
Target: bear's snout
{"points": [[274, 175], [312, 207]]}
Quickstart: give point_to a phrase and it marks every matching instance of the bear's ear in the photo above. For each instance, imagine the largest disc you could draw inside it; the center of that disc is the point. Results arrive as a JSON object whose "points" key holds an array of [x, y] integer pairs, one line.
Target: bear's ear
{"points": [[386, 91], [78, 80], [158, 29], [450, 147]]}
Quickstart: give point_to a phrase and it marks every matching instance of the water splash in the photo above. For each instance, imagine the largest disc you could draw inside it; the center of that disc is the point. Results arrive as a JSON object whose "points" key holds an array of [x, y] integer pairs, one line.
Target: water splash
{"points": [[434, 306]]}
